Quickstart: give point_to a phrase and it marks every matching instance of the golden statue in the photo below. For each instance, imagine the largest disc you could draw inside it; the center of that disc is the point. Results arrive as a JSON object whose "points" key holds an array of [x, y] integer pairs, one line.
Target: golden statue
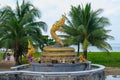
{"points": [[58, 51], [31, 49], [82, 59], [58, 27]]}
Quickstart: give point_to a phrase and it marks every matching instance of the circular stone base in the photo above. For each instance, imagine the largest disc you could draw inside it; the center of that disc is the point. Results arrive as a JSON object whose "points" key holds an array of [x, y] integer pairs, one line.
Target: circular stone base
{"points": [[63, 67]]}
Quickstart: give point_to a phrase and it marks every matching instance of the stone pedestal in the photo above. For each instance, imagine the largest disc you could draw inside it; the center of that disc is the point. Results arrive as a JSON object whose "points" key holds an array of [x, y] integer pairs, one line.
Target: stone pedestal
{"points": [[60, 54]]}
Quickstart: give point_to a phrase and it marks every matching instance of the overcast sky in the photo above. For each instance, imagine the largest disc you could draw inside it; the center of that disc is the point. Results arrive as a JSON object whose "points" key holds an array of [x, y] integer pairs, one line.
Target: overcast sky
{"points": [[52, 10]]}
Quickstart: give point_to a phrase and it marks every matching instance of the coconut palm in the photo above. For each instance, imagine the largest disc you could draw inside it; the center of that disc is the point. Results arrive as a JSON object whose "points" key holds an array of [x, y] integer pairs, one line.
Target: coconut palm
{"points": [[44, 41], [20, 25], [89, 28], [72, 28]]}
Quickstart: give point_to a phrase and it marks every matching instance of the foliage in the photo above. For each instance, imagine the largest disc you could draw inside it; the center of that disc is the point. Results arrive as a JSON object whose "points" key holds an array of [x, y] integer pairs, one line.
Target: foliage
{"points": [[1, 55], [45, 41], [35, 55], [19, 25], [85, 26]]}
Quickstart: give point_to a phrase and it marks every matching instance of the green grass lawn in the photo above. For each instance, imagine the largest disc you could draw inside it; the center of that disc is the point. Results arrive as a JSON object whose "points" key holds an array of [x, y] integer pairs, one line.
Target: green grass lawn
{"points": [[1, 54], [111, 60]]}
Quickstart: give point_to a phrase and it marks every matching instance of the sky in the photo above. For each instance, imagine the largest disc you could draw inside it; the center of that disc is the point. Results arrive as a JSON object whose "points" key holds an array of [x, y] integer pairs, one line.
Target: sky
{"points": [[52, 10]]}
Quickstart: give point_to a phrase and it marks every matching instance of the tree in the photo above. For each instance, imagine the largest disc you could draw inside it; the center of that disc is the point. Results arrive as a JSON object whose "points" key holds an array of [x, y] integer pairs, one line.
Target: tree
{"points": [[89, 27], [19, 25], [72, 28], [44, 41]]}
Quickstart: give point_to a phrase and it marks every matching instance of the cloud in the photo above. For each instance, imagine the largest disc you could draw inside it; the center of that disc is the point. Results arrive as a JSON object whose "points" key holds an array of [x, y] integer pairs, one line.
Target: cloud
{"points": [[4, 3], [52, 10], [112, 11]]}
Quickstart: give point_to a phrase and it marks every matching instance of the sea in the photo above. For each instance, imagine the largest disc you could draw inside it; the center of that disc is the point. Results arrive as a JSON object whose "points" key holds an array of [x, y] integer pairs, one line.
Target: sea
{"points": [[115, 48]]}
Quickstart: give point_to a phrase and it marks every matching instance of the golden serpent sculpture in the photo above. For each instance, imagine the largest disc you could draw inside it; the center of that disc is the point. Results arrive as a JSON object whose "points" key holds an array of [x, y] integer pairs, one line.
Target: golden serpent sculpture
{"points": [[58, 27]]}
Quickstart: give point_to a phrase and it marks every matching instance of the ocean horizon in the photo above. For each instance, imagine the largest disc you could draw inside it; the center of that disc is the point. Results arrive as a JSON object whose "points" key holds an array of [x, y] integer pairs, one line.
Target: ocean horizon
{"points": [[115, 48]]}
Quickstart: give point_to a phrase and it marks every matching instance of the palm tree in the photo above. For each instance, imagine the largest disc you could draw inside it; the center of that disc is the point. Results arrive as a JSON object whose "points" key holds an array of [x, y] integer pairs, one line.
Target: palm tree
{"points": [[91, 29], [72, 28], [44, 41], [20, 25]]}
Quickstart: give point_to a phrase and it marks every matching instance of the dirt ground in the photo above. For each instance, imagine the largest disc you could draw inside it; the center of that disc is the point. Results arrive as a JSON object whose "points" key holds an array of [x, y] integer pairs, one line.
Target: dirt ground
{"points": [[5, 67], [112, 71], [5, 64]]}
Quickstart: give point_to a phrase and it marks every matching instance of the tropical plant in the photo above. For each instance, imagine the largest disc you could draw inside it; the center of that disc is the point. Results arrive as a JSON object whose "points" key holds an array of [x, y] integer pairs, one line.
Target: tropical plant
{"points": [[72, 28], [19, 25], [88, 28], [45, 41]]}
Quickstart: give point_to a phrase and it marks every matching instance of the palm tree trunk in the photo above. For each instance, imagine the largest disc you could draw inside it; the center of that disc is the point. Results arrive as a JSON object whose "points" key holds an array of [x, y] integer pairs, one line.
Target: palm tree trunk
{"points": [[16, 52], [78, 49], [20, 59], [16, 56], [85, 54]]}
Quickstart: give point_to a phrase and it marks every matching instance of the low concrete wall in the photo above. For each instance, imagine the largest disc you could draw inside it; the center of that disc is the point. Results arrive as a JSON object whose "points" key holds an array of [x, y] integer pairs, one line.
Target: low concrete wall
{"points": [[63, 67], [96, 73]]}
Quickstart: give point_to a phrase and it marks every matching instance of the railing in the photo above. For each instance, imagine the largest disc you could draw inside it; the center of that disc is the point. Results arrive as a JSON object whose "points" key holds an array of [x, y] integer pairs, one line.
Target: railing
{"points": [[24, 66], [93, 74]]}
